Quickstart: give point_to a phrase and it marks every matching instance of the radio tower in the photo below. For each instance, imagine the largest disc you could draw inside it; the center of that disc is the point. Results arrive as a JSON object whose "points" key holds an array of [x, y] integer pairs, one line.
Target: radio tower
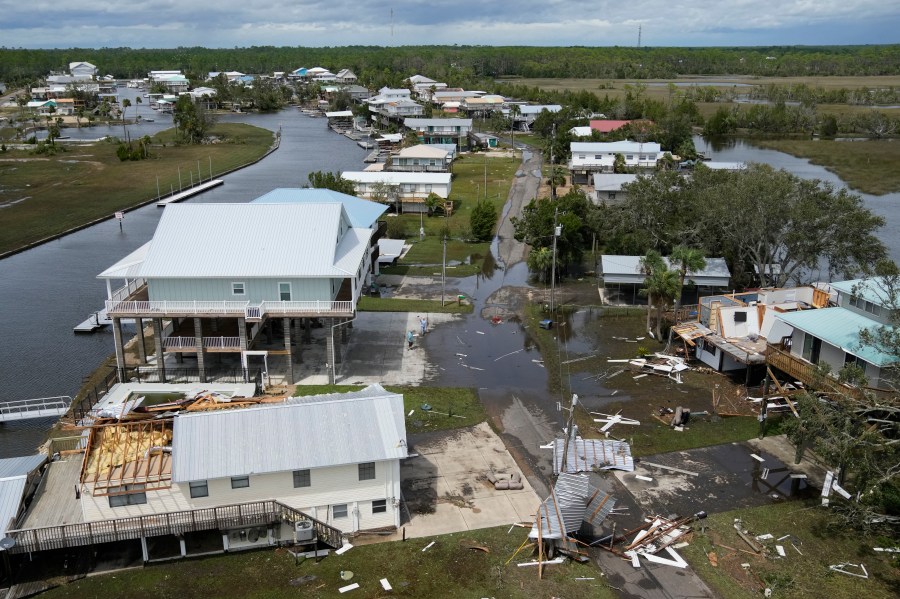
{"points": [[639, 36]]}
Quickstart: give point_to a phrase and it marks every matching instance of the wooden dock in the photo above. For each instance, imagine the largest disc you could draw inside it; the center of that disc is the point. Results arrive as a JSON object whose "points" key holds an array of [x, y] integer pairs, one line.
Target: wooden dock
{"points": [[95, 321], [187, 193]]}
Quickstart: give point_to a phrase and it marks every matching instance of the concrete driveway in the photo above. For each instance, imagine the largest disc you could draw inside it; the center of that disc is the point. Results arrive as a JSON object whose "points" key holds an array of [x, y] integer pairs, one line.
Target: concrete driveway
{"points": [[446, 490]]}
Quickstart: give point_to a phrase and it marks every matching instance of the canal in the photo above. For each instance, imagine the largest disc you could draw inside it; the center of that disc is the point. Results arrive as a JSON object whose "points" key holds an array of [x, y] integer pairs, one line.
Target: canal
{"points": [[46, 291]]}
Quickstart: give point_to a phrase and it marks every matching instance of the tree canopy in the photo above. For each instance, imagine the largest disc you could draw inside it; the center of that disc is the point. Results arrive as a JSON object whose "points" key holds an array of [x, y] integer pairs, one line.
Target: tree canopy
{"points": [[755, 217], [330, 180]]}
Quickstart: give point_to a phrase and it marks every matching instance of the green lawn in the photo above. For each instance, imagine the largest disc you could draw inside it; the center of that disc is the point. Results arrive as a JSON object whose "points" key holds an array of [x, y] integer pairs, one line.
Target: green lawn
{"points": [[794, 576], [388, 304], [43, 196], [451, 407], [469, 175], [449, 568]]}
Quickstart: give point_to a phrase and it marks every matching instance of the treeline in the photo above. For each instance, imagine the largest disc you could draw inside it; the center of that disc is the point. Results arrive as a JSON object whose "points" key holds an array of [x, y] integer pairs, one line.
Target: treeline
{"points": [[390, 65]]}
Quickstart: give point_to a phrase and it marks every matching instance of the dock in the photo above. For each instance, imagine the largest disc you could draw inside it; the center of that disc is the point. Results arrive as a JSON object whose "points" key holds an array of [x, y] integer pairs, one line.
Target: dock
{"points": [[42, 407], [95, 321], [187, 193]]}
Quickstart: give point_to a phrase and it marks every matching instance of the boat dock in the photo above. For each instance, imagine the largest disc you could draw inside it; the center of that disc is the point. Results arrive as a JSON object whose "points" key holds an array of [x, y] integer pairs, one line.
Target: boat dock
{"points": [[187, 193], [95, 321], [42, 407]]}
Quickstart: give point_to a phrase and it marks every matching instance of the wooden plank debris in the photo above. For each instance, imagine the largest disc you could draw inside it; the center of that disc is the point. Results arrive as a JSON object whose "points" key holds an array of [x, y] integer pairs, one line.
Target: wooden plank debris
{"points": [[672, 468], [344, 549], [386, 585], [349, 587], [857, 570], [428, 546], [558, 560]]}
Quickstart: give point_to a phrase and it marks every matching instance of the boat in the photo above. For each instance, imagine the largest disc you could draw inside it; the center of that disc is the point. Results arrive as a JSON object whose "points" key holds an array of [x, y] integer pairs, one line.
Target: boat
{"points": [[366, 145]]}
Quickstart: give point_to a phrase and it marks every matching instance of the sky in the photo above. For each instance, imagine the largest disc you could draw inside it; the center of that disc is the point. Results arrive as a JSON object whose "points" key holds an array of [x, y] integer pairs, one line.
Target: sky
{"points": [[240, 23]]}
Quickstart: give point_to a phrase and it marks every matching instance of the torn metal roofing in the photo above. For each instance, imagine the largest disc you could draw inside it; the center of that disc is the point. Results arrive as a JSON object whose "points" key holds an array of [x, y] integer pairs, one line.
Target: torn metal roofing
{"points": [[586, 455], [572, 502]]}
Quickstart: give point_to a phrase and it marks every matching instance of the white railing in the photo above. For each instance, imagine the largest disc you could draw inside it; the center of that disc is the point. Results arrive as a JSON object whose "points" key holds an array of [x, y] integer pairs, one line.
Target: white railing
{"points": [[166, 308], [127, 289], [180, 343], [41, 407], [315, 307], [221, 342]]}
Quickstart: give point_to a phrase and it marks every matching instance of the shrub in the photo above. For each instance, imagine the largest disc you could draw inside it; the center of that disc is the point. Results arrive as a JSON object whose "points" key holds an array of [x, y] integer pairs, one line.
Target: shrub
{"points": [[396, 229], [483, 220]]}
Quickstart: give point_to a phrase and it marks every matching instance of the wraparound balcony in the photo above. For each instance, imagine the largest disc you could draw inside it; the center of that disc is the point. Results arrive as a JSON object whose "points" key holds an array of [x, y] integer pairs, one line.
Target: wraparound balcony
{"points": [[251, 312]]}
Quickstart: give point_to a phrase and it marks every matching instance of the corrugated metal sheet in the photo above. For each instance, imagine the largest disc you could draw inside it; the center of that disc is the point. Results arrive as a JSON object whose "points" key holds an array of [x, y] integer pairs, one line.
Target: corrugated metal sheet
{"points": [[586, 455], [128, 267], [305, 432], [626, 269], [20, 466], [615, 146], [350, 252], [572, 501], [11, 490], [245, 240], [362, 213], [413, 123], [871, 290], [839, 327]]}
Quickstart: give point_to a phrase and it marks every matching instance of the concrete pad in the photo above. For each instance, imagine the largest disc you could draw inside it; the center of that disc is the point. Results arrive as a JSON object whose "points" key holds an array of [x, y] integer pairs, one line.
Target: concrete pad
{"points": [[448, 480]]}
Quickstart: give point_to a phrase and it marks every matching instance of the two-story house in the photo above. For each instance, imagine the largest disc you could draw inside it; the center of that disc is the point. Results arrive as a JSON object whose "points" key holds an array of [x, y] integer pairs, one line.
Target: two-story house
{"points": [[422, 158], [599, 157], [409, 188], [831, 336], [216, 276], [441, 131]]}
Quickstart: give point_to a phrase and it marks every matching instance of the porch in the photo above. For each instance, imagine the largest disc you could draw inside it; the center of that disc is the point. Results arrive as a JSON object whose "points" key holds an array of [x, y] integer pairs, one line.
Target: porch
{"points": [[778, 356]]}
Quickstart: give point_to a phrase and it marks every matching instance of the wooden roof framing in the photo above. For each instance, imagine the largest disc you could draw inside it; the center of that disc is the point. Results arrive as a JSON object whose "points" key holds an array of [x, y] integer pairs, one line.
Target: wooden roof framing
{"points": [[128, 453]]}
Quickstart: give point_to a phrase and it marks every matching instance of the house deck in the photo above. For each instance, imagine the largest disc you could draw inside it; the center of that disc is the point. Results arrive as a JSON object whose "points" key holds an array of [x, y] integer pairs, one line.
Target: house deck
{"points": [[55, 503]]}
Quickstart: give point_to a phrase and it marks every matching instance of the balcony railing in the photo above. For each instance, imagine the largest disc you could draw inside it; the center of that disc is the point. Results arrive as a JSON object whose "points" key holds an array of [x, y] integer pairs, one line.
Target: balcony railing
{"points": [[224, 308], [800, 370], [126, 290]]}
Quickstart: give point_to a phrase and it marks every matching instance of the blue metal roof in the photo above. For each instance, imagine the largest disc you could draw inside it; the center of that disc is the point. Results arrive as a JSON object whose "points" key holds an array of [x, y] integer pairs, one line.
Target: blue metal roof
{"points": [[839, 327], [871, 290], [362, 213], [20, 466]]}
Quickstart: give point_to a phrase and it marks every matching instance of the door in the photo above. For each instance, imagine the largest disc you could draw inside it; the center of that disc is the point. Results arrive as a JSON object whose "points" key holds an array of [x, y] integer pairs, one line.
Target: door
{"points": [[284, 292]]}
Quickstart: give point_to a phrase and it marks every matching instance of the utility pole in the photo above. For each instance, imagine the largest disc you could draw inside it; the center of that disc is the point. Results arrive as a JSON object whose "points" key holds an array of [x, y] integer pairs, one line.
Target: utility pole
{"points": [[557, 231], [443, 270], [552, 167], [570, 432], [485, 175]]}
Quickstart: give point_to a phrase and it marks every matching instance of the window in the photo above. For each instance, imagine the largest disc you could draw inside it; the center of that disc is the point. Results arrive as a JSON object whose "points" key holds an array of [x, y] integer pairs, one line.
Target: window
{"points": [[339, 511], [237, 289], [629, 157], [612, 195], [127, 495], [379, 506], [240, 482], [284, 292], [199, 489], [302, 479], [367, 471]]}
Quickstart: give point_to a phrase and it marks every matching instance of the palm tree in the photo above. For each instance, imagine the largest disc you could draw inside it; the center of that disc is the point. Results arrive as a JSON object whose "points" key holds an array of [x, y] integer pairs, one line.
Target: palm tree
{"points": [[662, 288], [686, 260], [649, 264], [126, 104]]}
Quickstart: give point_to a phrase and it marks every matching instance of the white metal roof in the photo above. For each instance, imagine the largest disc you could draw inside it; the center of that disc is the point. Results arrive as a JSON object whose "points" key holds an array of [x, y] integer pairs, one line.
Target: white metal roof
{"points": [[304, 432], [128, 267], [581, 131], [248, 240], [415, 122], [612, 181], [615, 146], [627, 269], [529, 109], [423, 151], [11, 490], [361, 212], [397, 177]]}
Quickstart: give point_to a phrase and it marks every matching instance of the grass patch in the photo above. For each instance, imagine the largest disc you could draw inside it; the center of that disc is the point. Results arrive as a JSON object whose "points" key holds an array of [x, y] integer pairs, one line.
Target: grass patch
{"points": [[451, 407], [796, 576], [867, 166], [468, 188], [653, 437], [390, 304], [431, 270], [45, 196], [448, 569]]}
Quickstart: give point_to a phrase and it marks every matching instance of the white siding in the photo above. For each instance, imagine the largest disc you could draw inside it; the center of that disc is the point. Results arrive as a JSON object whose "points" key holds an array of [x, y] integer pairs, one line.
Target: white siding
{"points": [[329, 486]]}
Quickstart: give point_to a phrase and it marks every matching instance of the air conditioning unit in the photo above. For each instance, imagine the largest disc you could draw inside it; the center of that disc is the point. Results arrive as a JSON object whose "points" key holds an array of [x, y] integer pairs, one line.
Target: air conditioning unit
{"points": [[305, 531]]}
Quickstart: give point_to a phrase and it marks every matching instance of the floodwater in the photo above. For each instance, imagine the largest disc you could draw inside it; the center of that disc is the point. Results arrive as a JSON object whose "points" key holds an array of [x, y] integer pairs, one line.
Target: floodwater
{"points": [[46, 291]]}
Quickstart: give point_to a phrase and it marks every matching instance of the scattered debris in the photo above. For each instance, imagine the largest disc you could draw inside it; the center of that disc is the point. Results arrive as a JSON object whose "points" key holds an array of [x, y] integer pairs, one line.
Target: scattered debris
{"points": [[344, 549], [644, 478], [573, 360], [586, 455], [640, 376], [509, 354], [479, 332], [741, 533], [428, 546], [887, 549], [780, 550], [558, 560], [386, 585], [476, 546], [612, 419], [764, 537], [713, 559], [845, 568], [757, 458], [673, 469], [349, 587]]}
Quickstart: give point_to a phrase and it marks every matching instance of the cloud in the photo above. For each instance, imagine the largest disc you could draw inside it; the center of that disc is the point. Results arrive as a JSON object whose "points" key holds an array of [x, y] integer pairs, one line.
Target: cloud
{"points": [[229, 23]]}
